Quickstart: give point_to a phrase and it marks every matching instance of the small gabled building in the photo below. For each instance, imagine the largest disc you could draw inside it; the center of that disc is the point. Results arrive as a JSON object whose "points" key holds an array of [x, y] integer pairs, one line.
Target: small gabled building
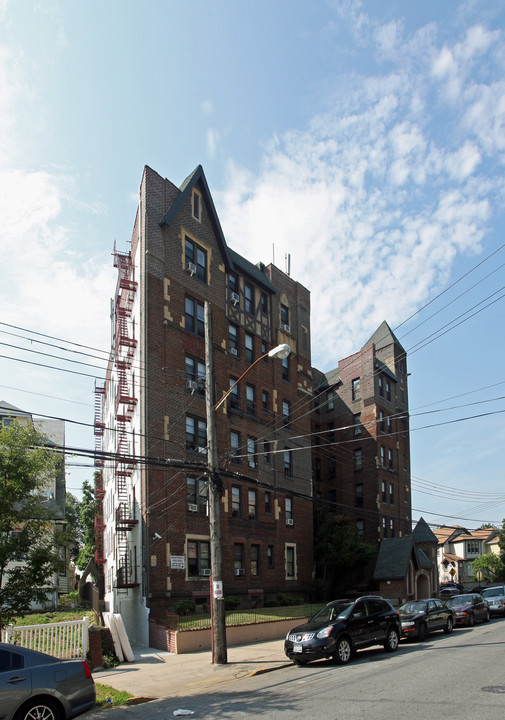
{"points": [[406, 567], [458, 547]]}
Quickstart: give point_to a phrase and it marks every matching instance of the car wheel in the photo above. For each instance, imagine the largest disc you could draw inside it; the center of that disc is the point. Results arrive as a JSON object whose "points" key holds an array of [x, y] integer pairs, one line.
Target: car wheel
{"points": [[471, 620], [343, 653], [487, 616], [392, 640], [39, 710], [449, 627], [421, 633]]}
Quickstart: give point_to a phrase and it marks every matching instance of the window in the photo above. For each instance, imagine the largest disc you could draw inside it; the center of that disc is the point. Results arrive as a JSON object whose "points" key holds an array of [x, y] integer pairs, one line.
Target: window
{"points": [[252, 454], [356, 389], [285, 369], [332, 468], [384, 527], [390, 458], [233, 398], [360, 526], [289, 511], [249, 349], [357, 423], [270, 557], [288, 466], [389, 423], [264, 351], [388, 390], [196, 205], [284, 315], [196, 434], [195, 374], [383, 456], [391, 527], [249, 299], [286, 414], [233, 338], [267, 449], [318, 469], [197, 256], [383, 491], [255, 560], [250, 402], [238, 559], [10, 661], [290, 561], [381, 385], [330, 400], [268, 502], [382, 422], [198, 557], [330, 436], [472, 548], [265, 401], [232, 283], [317, 430], [391, 493], [252, 504], [235, 447], [358, 495], [194, 316], [358, 459], [236, 509], [196, 495], [264, 303]]}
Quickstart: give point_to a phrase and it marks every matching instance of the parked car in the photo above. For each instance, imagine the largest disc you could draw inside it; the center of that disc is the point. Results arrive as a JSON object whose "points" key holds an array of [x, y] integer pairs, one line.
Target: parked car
{"points": [[420, 617], [469, 608], [454, 585], [448, 591], [495, 597], [341, 628], [35, 686]]}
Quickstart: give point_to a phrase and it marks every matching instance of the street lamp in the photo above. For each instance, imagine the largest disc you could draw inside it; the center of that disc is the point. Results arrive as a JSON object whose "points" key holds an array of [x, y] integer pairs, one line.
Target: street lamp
{"points": [[218, 617]]}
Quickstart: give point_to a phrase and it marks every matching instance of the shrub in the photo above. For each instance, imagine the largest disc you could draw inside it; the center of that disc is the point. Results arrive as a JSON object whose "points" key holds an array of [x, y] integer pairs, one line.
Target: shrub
{"points": [[185, 607], [231, 603]]}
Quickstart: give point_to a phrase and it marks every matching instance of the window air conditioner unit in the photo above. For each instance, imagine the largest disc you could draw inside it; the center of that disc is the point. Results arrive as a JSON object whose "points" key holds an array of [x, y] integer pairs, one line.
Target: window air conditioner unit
{"points": [[290, 521], [235, 298], [192, 507], [191, 268], [191, 385], [286, 328], [239, 571], [234, 351], [206, 572]]}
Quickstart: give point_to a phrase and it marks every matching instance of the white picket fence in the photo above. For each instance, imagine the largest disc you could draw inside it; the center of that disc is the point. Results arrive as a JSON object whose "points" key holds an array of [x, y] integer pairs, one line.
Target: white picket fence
{"points": [[63, 640]]}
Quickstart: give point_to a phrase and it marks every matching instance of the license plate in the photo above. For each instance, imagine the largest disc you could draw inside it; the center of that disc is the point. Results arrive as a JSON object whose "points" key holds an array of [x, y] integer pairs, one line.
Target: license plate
{"points": [[297, 648]]}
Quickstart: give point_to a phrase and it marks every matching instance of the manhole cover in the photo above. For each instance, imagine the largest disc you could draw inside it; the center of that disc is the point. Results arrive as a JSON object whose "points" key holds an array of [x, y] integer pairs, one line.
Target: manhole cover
{"points": [[494, 688]]}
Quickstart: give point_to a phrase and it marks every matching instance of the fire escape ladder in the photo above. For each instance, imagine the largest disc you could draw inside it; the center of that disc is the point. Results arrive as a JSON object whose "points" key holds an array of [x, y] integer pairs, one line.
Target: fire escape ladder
{"points": [[99, 531], [99, 425]]}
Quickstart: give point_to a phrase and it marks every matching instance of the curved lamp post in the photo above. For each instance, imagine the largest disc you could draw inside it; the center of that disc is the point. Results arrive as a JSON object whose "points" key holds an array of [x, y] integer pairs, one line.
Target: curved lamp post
{"points": [[218, 617]]}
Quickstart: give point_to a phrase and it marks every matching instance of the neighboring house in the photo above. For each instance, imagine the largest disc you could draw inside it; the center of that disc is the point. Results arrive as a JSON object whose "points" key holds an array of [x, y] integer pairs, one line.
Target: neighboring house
{"points": [[361, 447], [152, 528], [406, 567], [459, 547], [54, 431]]}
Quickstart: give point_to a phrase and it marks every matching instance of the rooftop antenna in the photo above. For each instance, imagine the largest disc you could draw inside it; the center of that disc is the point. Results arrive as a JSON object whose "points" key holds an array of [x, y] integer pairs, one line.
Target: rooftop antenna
{"points": [[288, 264], [273, 253]]}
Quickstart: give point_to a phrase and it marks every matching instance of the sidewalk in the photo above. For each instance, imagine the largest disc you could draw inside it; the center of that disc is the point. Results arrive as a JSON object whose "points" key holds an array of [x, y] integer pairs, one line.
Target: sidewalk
{"points": [[159, 674]]}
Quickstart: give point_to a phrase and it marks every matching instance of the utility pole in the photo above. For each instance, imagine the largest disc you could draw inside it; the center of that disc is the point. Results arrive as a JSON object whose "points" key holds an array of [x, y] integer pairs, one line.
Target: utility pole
{"points": [[219, 651]]}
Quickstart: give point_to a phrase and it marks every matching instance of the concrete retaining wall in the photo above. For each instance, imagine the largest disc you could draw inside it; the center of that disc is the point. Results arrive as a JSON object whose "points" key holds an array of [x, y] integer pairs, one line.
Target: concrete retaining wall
{"points": [[188, 641]]}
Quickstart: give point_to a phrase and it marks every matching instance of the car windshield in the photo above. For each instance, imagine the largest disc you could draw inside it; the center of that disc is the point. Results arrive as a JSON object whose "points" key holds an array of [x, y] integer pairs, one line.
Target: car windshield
{"points": [[492, 592], [412, 608], [338, 610], [459, 600]]}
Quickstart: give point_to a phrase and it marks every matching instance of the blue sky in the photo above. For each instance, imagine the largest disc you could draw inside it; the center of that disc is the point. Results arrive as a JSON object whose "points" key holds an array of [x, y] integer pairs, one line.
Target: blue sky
{"points": [[365, 139]]}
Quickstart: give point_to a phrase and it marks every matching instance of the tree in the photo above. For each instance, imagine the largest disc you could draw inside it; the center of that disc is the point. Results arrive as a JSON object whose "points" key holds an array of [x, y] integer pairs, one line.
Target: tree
{"points": [[87, 519], [488, 526], [28, 556], [340, 550], [72, 536], [490, 565]]}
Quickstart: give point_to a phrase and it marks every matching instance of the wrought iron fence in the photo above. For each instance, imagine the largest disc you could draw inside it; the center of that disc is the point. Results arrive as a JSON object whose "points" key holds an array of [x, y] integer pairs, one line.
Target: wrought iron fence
{"points": [[201, 621]]}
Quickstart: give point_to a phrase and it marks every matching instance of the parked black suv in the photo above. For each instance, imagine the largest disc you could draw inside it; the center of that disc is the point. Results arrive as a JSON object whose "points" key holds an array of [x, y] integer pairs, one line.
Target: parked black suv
{"points": [[341, 628]]}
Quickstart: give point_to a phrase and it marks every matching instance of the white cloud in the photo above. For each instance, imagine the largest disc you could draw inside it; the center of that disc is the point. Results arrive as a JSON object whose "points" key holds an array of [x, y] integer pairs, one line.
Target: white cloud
{"points": [[376, 198]]}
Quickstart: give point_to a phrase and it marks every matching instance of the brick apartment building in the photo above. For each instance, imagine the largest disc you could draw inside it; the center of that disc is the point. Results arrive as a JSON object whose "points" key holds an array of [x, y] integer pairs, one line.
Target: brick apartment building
{"points": [[152, 526], [361, 449]]}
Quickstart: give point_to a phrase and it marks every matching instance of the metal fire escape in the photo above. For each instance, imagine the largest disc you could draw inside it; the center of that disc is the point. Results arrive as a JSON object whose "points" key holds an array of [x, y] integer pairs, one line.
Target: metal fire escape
{"points": [[99, 486], [124, 352]]}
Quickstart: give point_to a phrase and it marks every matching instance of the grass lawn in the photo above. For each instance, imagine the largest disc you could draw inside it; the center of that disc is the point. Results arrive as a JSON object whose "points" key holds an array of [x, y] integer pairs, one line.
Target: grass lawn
{"points": [[54, 616], [106, 695]]}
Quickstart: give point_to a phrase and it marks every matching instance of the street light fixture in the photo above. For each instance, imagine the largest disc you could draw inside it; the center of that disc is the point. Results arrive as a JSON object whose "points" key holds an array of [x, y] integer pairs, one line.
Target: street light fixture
{"points": [[218, 617]]}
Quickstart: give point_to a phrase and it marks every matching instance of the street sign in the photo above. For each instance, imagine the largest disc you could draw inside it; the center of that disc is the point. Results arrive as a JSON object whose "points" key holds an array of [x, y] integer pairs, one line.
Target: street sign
{"points": [[217, 588]]}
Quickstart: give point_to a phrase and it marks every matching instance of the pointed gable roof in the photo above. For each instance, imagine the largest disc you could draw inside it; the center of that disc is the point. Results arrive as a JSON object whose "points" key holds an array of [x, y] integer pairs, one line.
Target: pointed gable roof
{"points": [[383, 337], [197, 177], [393, 558], [423, 533]]}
